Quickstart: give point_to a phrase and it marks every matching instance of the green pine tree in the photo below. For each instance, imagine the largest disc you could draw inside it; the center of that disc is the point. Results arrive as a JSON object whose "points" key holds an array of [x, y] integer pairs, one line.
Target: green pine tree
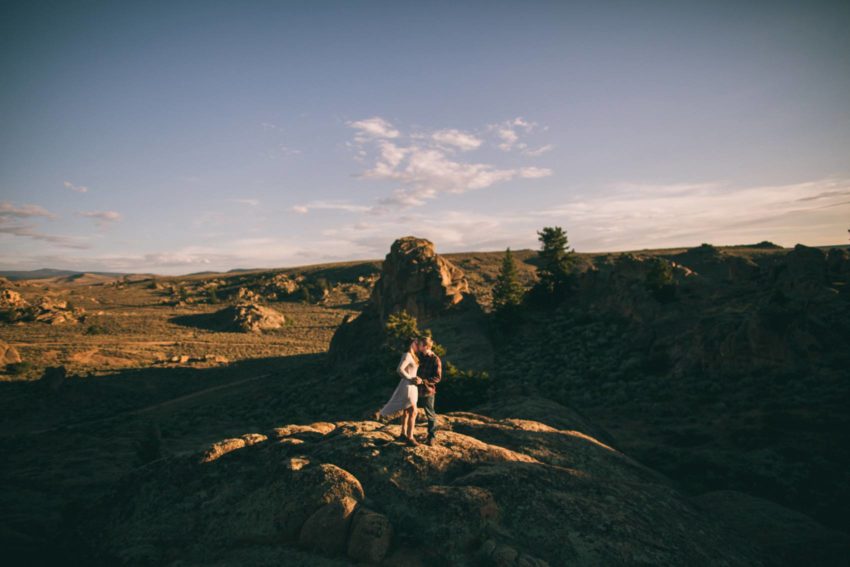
{"points": [[508, 291], [557, 259]]}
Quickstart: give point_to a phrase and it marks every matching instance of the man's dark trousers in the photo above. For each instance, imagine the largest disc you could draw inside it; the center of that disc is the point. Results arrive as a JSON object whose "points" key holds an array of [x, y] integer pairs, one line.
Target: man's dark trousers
{"points": [[430, 414]]}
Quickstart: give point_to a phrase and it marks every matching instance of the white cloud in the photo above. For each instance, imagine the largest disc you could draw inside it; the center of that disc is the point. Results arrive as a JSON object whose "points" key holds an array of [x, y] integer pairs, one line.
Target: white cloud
{"points": [[77, 188], [461, 140], [426, 165], [9, 210], [375, 127]]}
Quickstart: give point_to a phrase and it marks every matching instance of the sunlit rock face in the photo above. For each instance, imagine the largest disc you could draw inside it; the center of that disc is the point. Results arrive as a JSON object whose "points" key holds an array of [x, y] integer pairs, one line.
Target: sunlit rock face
{"points": [[415, 279]]}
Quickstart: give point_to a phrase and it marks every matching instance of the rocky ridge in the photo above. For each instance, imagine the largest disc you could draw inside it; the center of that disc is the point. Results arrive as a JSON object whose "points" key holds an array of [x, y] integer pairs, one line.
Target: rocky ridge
{"points": [[495, 491]]}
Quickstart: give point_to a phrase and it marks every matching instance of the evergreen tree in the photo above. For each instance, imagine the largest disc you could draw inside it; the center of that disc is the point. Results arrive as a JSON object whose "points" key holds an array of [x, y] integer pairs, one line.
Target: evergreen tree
{"points": [[556, 259], [508, 291]]}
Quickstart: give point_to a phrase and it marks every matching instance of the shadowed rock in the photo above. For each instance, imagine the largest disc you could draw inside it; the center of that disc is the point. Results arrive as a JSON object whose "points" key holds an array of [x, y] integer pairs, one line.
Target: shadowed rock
{"points": [[245, 317], [786, 537], [493, 491]]}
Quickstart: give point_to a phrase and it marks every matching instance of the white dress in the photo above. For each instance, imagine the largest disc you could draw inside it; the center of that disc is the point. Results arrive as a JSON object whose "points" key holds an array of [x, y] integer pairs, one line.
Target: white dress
{"points": [[406, 393]]}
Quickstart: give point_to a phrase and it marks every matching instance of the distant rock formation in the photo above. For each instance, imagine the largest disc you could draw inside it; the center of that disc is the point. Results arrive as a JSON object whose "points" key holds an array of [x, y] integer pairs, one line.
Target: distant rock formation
{"points": [[43, 310], [414, 278], [53, 312], [494, 492], [11, 299], [251, 317]]}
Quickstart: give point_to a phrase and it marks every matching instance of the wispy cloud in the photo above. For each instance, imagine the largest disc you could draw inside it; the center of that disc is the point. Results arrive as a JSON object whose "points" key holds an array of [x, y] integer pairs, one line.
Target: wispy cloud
{"points": [[375, 127], [77, 188], [539, 151], [330, 206], [426, 165], [11, 216], [634, 215], [29, 231], [10, 210], [280, 150], [241, 201], [509, 133], [103, 218], [233, 253]]}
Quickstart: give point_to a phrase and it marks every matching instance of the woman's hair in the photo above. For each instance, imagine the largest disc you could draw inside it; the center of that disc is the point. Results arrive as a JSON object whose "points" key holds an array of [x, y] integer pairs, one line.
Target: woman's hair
{"points": [[412, 349]]}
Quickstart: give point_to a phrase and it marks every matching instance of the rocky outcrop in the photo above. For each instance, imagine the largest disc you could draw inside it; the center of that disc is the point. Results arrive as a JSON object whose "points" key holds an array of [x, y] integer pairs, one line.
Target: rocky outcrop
{"points": [[251, 317], [11, 299], [415, 279], [281, 286], [43, 310], [718, 266], [494, 491], [55, 312]]}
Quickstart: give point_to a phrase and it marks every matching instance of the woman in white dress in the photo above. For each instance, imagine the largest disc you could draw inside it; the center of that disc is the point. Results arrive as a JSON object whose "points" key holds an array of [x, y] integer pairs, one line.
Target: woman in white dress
{"points": [[406, 394]]}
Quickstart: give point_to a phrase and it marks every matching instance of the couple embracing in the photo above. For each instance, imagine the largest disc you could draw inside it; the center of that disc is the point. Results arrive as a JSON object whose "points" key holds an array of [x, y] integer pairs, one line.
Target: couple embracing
{"points": [[420, 369]]}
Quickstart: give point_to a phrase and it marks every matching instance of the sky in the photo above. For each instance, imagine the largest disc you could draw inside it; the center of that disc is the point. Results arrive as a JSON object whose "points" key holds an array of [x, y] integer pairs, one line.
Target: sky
{"points": [[176, 137]]}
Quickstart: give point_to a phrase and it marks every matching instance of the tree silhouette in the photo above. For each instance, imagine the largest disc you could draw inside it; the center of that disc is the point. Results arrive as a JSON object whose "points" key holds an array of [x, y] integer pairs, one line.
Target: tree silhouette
{"points": [[556, 259], [508, 291]]}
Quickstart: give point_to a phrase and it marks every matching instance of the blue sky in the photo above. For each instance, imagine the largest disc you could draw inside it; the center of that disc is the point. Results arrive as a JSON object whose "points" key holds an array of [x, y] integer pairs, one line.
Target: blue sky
{"points": [[185, 136]]}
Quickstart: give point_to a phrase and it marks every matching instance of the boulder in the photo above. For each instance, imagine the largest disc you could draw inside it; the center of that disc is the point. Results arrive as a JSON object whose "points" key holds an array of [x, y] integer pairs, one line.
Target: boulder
{"points": [[250, 317], [8, 354], [11, 299], [371, 535], [414, 278], [326, 531], [245, 295], [803, 274], [282, 285]]}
